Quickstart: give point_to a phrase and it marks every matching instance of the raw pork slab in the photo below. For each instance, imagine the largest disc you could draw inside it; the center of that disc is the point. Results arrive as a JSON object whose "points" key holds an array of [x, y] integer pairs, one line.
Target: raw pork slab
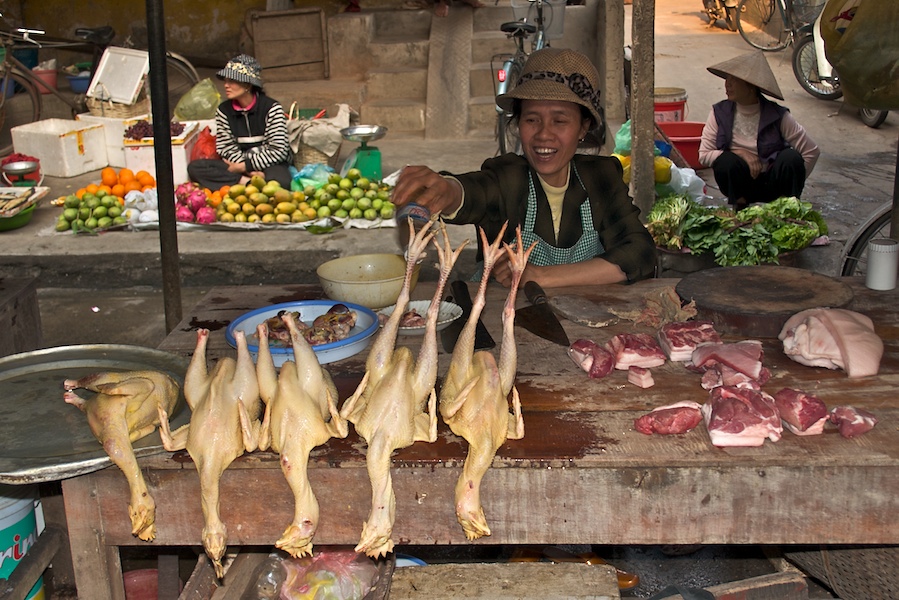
{"points": [[833, 338], [637, 349], [679, 417], [802, 413], [741, 417], [678, 339]]}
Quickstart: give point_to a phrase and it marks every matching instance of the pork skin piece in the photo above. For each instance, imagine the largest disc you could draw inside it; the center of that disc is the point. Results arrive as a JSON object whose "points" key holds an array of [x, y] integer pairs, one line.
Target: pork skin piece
{"points": [[801, 412], [594, 359], [741, 417], [833, 338], [720, 374], [679, 417], [640, 377], [638, 349], [852, 422], [678, 339], [744, 356]]}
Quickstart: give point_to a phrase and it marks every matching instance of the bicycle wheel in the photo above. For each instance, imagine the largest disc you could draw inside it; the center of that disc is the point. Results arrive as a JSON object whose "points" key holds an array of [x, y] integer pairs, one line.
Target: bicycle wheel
{"points": [[506, 131], [20, 104], [761, 23], [805, 68], [872, 117], [855, 256]]}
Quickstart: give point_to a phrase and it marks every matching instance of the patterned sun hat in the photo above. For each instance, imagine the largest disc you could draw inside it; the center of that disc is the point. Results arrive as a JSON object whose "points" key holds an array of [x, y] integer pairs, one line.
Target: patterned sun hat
{"points": [[752, 68], [243, 68], [557, 74]]}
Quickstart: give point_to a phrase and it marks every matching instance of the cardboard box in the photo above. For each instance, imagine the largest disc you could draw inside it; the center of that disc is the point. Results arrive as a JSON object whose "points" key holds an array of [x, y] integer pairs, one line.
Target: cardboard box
{"points": [[114, 130], [142, 157], [65, 148]]}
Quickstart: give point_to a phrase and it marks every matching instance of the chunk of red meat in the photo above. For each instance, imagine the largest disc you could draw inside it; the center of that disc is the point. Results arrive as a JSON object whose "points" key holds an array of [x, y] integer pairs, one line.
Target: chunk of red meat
{"points": [[679, 417], [833, 338], [719, 374], [638, 349], [852, 422], [592, 358], [640, 377], [801, 412], [741, 417], [678, 339], [744, 356]]}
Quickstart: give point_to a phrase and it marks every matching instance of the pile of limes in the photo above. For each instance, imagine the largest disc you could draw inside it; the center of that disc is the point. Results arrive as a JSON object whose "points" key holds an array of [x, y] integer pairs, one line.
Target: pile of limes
{"points": [[90, 212]]}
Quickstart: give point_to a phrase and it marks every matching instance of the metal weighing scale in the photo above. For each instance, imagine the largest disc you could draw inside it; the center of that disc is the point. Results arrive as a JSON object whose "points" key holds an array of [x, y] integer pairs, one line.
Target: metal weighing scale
{"points": [[365, 158], [19, 170]]}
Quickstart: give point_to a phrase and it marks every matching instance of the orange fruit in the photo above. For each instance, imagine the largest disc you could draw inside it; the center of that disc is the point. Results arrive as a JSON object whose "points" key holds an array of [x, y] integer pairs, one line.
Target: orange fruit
{"points": [[147, 187], [118, 190], [91, 188], [141, 173], [109, 177], [145, 178], [104, 188], [125, 176], [81, 192], [132, 185]]}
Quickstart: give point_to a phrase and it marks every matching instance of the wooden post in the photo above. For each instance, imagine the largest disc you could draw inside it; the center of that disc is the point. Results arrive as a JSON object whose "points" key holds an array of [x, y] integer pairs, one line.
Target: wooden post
{"points": [[642, 105]]}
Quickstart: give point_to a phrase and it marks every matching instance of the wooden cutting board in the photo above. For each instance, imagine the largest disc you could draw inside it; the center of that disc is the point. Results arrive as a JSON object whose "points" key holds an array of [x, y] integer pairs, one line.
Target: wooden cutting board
{"points": [[756, 301]]}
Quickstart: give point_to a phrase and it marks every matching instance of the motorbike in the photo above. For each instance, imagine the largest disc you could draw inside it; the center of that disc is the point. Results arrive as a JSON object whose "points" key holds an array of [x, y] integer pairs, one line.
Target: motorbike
{"points": [[817, 76], [725, 10]]}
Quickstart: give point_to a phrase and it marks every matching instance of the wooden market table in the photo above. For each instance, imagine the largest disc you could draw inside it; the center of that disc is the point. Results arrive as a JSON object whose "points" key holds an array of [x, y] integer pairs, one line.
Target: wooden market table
{"points": [[582, 474]]}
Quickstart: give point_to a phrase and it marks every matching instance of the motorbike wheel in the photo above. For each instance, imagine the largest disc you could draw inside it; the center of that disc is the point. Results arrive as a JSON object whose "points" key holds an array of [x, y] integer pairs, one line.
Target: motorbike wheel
{"points": [[730, 17], [873, 118], [805, 68]]}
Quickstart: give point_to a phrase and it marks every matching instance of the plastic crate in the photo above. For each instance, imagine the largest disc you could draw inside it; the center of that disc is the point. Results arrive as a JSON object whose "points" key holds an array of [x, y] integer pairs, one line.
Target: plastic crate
{"points": [[65, 148], [143, 157], [553, 15]]}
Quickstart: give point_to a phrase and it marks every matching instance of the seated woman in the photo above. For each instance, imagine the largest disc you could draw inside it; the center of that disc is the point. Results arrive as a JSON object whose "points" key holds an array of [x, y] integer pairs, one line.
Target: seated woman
{"points": [[250, 132], [575, 207], [755, 147]]}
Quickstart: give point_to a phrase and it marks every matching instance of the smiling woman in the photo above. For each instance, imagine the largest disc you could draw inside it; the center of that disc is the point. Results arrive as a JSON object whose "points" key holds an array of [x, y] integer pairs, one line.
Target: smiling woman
{"points": [[574, 209]]}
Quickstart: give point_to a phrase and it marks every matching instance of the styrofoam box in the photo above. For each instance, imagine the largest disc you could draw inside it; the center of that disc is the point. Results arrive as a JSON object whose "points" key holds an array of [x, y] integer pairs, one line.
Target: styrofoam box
{"points": [[203, 123], [114, 130], [143, 158], [65, 148]]}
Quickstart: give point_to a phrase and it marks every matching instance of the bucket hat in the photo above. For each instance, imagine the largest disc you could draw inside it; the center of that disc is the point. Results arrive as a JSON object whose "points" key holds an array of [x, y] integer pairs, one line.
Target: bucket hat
{"points": [[752, 68], [243, 68], [557, 74]]}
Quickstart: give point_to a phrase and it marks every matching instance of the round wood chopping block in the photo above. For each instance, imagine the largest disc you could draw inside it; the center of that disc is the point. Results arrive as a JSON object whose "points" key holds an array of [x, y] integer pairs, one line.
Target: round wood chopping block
{"points": [[756, 301]]}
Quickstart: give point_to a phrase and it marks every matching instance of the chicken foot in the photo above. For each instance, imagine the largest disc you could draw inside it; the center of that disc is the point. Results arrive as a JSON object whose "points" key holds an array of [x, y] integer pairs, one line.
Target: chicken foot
{"points": [[300, 414], [473, 399], [395, 405], [224, 424], [123, 411]]}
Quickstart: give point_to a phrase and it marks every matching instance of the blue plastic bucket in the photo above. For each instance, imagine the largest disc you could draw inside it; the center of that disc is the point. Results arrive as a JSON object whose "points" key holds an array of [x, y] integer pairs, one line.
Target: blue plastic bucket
{"points": [[18, 531]]}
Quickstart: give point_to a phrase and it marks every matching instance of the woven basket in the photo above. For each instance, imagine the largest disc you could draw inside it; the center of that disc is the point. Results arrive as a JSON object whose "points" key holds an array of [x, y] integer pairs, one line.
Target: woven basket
{"points": [[117, 110], [853, 572], [307, 155]]}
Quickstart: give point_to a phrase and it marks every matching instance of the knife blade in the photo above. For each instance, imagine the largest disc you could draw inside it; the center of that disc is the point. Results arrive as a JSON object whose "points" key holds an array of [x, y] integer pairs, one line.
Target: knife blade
{"points": [[482, 338], [539, 318]]}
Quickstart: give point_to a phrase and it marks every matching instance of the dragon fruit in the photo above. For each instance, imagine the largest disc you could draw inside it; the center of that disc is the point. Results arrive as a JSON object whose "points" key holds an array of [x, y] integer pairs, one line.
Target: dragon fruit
{"points": [[184, 190], [196, 200], [184, 214], [206, 215]]}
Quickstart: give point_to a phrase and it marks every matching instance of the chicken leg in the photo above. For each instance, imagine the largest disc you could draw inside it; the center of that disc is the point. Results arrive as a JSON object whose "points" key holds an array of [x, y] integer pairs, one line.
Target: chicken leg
{"points": [[123, 411], [224, 424], [473, 398], [300, 414], [395, 404]]}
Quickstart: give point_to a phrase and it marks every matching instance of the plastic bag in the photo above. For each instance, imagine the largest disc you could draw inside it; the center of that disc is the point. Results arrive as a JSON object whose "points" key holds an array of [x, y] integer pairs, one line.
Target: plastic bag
{"points": [[199, 103], [623, 139], [337, 575], [861, 41], [683, 181], [205, 146]]}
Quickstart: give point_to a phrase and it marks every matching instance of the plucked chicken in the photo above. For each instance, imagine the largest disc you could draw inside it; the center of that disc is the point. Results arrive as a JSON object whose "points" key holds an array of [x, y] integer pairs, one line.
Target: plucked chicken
{"points": [[473, 400], [300, 414], [224, 423], [395, 404], [123, 411]]}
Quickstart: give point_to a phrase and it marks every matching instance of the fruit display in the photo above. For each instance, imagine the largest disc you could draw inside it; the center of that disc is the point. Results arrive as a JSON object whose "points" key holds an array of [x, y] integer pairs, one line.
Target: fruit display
{"points": [[350, 197], [144, 129], [91, 212]]}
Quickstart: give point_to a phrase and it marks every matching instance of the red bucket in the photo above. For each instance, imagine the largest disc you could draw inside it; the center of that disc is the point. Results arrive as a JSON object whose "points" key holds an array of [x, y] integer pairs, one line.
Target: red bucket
{"points": [[47, 80], [685, 135]]}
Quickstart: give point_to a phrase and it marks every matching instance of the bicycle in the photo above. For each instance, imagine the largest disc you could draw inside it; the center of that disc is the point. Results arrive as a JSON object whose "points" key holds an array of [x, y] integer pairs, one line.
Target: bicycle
{"points": [[539, 16], [854, 258], [21, 101], [772, 25]]}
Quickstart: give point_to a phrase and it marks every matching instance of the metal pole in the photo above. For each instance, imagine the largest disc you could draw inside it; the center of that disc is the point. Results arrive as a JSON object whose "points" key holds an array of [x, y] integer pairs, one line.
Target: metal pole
{"points": [[642, 104], [162, 146]]}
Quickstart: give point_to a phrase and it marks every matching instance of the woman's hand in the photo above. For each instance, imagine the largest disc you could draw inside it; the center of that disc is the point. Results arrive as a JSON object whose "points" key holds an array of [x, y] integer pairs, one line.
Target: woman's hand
{"points": [[755, 165], [236, 167], [427, 188]]}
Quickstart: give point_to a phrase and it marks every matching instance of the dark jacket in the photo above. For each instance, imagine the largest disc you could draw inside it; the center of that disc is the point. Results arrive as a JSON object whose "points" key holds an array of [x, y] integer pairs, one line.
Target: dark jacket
{"points": [[770, 140], [499, 192]]}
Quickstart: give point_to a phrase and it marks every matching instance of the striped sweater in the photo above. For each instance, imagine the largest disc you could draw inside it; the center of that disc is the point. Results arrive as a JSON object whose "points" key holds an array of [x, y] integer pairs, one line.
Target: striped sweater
{"points": [[256, 137]]}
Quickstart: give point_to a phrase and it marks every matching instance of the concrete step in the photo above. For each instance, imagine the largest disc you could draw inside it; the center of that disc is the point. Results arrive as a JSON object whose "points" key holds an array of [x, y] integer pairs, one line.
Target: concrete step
{"points": [[394, 51], [414, 24], [397, 83], [321, 93], [487, 44], [482, 81], [395, 114], [482, 117]]}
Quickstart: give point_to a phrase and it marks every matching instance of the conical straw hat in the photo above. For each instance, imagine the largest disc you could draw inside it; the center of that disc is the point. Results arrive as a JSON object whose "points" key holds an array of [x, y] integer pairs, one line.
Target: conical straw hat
{"points": [[752, 68]]}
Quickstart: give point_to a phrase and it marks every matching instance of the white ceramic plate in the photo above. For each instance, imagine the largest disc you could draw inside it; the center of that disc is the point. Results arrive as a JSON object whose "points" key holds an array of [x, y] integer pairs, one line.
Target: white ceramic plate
{"points": [[449, 312], [359, 338]]}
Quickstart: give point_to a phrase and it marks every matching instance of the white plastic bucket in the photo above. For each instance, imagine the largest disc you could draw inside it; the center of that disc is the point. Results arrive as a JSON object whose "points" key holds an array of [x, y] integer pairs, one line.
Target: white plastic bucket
{"points": [[670, 104], [18, 531]]}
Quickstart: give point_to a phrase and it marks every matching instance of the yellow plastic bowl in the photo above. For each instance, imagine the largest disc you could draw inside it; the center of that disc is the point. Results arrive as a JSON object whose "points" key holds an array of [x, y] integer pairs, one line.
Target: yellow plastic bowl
{"points": [[372, 280]]}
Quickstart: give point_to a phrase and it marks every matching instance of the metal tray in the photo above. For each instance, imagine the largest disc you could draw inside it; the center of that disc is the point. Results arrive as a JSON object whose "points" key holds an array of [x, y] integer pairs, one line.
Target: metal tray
{"points": [[45, 439]]}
